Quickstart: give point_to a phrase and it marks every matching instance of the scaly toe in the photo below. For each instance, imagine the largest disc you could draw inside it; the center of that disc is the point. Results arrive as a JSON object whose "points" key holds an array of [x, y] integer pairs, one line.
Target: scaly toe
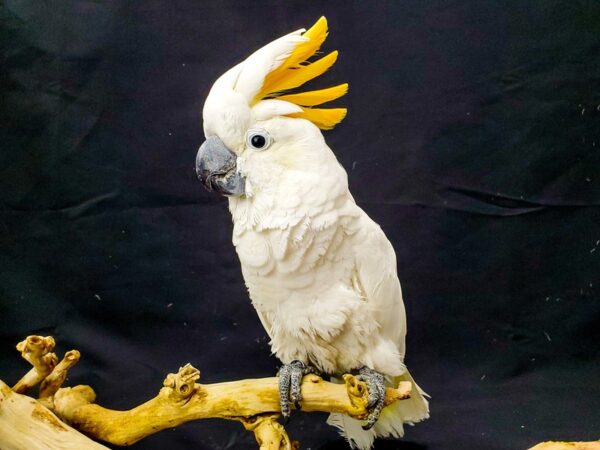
{"points": [[296, 379], [284, 390], [376, 385], [290, 381]]}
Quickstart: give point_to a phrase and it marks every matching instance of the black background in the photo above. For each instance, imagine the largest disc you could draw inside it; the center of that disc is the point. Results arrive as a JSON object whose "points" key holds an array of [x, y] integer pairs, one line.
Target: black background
{"points": [[473, 138]]}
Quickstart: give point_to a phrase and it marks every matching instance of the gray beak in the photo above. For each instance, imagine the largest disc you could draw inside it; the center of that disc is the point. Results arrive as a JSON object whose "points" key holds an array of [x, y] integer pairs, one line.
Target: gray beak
{"points": [[216, 168]]}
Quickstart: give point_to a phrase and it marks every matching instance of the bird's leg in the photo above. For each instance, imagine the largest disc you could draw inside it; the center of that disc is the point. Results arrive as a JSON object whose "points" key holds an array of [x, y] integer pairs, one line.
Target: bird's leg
{"points": [[376, 385], [290, 379]]}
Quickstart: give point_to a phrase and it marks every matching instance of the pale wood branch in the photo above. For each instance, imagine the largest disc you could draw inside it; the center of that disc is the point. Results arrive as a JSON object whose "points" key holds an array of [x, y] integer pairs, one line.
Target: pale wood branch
{"points": [[255, 403], [29, 424], [553, 445], [36, 350], [269, 434], [25, 424], [57, 377], [182, 400]]}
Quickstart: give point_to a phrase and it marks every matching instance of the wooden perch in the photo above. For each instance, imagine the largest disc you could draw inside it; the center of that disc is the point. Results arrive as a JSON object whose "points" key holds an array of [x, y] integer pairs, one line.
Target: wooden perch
{"points": [[269, 434], [37, 351], [31, 424], [253, 402], [25, 424], [552, 445], [57, 377]]}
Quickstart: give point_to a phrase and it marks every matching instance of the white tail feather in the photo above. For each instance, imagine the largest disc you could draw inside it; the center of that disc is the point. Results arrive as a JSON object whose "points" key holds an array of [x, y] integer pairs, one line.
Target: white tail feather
{"points": [[352, 430]]}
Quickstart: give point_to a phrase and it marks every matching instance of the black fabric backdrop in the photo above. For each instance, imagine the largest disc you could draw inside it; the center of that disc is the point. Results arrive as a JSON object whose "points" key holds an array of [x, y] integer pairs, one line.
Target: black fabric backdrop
{"points": [[473, 138]]}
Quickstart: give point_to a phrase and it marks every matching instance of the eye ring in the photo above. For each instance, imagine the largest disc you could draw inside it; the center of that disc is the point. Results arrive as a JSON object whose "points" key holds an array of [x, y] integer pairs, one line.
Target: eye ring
{"points": [[258, 139]]}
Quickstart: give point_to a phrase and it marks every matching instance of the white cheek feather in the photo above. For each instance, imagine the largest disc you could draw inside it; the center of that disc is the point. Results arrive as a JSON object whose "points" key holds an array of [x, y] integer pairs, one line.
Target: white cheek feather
{"points": [[241, 169]]}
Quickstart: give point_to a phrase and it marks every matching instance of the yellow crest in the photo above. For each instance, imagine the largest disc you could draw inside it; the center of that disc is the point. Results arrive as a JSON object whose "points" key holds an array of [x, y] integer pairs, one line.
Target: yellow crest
{"points": [[297, 70]]}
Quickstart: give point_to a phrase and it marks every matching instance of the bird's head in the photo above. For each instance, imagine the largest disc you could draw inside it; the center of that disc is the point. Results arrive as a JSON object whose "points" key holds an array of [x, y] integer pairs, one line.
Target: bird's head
{"points": [[257, 127]]}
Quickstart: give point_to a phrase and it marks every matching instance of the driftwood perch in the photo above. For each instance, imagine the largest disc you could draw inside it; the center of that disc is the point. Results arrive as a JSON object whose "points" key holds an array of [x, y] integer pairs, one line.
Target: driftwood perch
{"points": [[37, 351], [551, 445], [254, 403], [28, 424], [25, 424], [53, 420]]}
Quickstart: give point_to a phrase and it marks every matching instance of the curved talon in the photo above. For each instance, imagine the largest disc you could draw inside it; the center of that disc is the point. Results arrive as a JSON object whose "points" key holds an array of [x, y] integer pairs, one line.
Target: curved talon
{"points": [[290, 379], [376, 385]]}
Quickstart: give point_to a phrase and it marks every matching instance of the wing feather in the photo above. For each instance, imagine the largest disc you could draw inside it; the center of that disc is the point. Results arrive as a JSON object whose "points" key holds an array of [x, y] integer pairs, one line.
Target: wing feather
{"points": [[378, 279]]}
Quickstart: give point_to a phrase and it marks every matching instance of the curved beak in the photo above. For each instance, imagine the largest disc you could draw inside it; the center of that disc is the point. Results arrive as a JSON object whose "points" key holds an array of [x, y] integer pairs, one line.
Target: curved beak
{"points": [[216, 167]]}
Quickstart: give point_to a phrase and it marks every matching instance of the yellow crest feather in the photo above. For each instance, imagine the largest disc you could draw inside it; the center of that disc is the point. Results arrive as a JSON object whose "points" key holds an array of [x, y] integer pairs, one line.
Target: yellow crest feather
{"points": [[297, 70], [313, 98], [324, 118]]}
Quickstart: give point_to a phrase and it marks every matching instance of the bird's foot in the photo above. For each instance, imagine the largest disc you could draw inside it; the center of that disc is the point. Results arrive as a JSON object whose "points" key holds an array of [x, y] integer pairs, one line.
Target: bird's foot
{"points": [[290, 379], [376, 386]]}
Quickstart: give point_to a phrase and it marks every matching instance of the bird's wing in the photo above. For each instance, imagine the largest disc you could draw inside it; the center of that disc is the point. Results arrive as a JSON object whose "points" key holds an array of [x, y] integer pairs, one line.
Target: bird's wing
{"points": [[376, 279]]}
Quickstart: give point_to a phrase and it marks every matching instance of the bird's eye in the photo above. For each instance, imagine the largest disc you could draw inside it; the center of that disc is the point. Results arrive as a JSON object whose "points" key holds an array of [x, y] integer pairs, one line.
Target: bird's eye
{"points": [[258, 139]]}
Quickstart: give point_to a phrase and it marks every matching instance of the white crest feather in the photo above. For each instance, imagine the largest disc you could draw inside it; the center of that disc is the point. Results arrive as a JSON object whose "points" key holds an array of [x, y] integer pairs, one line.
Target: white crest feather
{"points": [[266, 109], [266, 59]]}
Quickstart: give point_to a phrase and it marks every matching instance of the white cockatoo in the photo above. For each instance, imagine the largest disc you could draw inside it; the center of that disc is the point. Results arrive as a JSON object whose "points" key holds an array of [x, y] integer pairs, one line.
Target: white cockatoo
{"points": [[321, 274]]}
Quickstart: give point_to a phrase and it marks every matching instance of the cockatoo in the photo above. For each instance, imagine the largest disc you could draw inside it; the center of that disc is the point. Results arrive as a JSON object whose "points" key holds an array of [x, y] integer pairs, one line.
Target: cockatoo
{"points": [[321, 274]]}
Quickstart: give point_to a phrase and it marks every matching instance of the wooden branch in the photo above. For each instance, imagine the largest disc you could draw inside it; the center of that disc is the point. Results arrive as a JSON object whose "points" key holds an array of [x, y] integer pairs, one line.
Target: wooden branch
{"points": [[182, 400], [552, 445], [269, 433], [37, 351], [26, 424], [57, 377], [255, 403]]}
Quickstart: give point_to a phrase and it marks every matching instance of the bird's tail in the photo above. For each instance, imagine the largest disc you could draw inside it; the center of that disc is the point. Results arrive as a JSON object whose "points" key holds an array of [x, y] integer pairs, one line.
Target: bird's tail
{"points": [[390, 423]]}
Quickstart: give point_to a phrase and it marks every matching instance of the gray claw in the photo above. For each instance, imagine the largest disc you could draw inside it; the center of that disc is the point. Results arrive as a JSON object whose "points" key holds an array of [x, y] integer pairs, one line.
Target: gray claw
{"points": [[376, 385], [290, 379]]}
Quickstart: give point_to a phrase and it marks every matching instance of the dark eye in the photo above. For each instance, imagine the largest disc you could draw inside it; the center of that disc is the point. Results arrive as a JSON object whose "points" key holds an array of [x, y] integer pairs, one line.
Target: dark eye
{"points": [[258, 139]]}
